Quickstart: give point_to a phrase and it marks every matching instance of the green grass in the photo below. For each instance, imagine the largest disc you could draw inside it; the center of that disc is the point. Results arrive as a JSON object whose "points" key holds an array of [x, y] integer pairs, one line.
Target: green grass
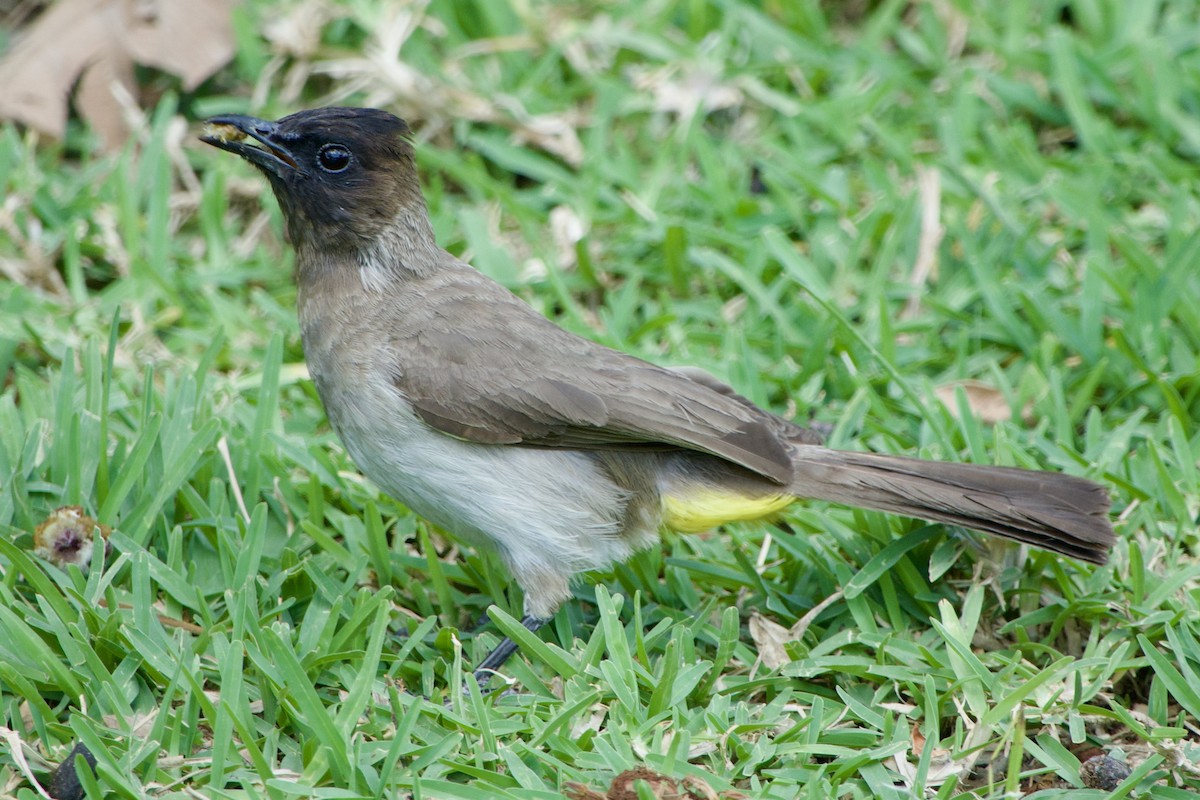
{"points": [[156, 379]]}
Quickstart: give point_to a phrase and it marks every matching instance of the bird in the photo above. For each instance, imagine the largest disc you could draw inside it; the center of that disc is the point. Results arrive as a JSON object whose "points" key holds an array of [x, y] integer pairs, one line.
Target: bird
{"points": [[563, 455]]}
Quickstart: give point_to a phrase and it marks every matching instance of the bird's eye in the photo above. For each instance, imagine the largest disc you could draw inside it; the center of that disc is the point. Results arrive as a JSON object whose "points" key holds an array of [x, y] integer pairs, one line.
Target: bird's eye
{"points": [[333, 158]]}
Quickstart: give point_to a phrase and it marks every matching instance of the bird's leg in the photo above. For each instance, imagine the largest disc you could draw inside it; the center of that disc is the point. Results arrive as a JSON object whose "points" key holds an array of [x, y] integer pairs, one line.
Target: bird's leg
{"points": [[500, 653], [481, 623]]}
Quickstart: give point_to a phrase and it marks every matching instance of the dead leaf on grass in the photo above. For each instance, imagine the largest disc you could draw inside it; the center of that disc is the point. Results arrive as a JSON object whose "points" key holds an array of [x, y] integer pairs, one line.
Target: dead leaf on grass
{"points": [[686, 90], [769, 637], [92, 45], [925, 267], [941, 768], [986, 402], [139, 726]]}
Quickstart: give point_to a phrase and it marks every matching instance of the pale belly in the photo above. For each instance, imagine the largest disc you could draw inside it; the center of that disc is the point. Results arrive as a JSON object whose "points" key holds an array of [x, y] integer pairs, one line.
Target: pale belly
{"points": [[549, 512]]}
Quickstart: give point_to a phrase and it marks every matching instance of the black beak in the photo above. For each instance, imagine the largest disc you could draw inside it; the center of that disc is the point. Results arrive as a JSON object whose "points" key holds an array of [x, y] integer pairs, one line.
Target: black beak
{"points": [[229, 132]]}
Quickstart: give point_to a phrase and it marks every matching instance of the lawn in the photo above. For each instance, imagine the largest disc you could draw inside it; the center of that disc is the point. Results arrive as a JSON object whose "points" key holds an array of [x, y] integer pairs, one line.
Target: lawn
{"points": [[955, 230]]}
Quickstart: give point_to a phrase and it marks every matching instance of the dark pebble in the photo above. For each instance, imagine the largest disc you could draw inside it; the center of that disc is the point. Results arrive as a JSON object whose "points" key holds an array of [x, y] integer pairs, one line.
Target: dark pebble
{"points": [[1104, 773]]}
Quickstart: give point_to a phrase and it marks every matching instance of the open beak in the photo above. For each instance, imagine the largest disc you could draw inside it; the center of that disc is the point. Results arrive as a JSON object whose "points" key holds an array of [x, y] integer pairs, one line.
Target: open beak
{"points": [[229, 132]]}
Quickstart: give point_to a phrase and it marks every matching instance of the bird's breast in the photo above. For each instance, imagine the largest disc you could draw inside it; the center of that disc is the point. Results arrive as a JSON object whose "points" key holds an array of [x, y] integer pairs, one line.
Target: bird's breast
{"points": [[552, 505]]}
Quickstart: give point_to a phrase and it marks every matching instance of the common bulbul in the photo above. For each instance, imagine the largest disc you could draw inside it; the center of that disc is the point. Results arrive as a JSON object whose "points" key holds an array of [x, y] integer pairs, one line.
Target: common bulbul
{"points": [[563, 455]]}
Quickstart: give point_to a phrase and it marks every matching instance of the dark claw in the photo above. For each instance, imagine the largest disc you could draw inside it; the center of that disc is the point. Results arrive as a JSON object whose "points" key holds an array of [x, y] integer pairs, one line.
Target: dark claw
{"points": [[501, 652]]}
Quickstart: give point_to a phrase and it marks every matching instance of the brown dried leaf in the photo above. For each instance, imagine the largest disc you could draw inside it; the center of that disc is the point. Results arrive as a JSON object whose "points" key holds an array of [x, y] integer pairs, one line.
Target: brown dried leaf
{"points": [[925, 267], [592, 722], [189, 40], [139, 725], [769, 636], [26, 712], [687, 89], [95, 43], [986, 402], [941, 768]]}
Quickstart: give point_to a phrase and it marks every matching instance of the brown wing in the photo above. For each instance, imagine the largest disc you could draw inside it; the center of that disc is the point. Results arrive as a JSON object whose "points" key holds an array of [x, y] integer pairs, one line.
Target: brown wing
{"points": [[783, 428], [481, 365]]}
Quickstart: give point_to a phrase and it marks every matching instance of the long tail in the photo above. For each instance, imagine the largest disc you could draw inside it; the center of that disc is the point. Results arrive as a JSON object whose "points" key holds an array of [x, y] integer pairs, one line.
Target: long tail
{"points": [[1055, 512]]}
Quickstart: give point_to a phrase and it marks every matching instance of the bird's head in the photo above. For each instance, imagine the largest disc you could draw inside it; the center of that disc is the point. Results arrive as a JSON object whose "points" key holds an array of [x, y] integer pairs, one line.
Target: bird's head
{"points": [[342, 176]]}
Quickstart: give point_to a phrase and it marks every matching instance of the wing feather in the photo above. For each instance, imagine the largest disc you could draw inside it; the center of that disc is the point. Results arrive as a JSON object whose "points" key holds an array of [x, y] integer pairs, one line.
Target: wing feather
{"points": [[516, 378]]}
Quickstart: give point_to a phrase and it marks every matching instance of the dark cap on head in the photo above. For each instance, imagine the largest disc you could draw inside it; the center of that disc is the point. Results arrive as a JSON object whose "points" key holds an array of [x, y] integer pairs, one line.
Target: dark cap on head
{"points": [[341, 175]]}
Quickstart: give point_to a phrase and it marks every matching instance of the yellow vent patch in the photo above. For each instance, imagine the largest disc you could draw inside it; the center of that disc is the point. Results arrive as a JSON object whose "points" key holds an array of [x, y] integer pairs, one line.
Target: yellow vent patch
{"points": [[702, 509]]}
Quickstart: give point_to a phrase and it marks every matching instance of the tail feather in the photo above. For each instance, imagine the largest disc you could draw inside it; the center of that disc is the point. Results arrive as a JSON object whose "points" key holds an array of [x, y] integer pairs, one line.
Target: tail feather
{"points": [[1056, 512]]}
